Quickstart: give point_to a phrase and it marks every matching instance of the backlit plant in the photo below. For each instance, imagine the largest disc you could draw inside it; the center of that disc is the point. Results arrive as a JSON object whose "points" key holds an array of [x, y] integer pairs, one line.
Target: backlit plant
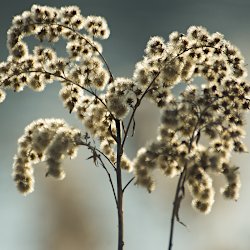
{"points": [[200, 128]]}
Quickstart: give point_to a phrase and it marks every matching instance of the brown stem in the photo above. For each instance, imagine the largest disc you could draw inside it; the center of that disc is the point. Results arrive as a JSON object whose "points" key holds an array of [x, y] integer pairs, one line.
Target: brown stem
{"points": [[180, 189], [119, 185], [176, 204]]}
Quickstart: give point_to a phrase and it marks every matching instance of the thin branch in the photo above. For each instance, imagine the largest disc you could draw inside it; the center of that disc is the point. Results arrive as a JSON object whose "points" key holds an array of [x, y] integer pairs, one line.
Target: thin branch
{"points": [[66, 80], [139, 102], [110, 180], [112, 135], [128, 184], [86, 40], [99, 151], [123, 127], [96, 158], [133, 128], [151, 83], [87, 90], [137, 105]]}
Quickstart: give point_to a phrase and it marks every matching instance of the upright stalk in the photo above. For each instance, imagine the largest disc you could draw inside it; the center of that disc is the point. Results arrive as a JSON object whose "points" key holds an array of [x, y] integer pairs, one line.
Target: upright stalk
{"points": [[180, 191], [176, 204], [119, 185]]}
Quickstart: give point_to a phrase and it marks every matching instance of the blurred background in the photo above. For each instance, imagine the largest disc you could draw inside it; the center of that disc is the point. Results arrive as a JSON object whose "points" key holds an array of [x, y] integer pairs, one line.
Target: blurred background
{"points": [[79, 212]]}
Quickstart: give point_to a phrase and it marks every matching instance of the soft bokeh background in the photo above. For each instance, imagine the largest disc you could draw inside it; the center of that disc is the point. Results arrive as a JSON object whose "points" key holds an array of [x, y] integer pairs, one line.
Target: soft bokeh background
{"points": [[79, 212]]}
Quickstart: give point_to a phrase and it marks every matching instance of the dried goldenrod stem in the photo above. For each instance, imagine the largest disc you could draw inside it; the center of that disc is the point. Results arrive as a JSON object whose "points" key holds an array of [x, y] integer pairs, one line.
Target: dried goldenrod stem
{"points": [[102, 103], [119, 186]]}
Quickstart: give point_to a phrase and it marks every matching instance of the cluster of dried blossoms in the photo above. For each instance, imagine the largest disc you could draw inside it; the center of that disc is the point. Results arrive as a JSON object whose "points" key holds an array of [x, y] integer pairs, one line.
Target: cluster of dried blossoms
{"points": [[213, 111], [83, 75], [48, 139], [88, 88]]}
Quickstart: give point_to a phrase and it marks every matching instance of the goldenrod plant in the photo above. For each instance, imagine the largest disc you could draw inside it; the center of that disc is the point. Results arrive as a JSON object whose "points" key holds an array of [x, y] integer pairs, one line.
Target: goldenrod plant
{"points": [[199, 130]]}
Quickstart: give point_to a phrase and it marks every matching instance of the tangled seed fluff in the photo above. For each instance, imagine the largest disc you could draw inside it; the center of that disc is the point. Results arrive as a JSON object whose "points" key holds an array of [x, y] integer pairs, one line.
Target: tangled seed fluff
{"points": [[49, 140]]}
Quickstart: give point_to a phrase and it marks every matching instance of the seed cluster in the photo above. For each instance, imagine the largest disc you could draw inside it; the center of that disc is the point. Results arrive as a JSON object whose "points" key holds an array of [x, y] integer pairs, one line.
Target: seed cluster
{"points": [[199, 129], [212, 112], [43, 66], [47, 140]]}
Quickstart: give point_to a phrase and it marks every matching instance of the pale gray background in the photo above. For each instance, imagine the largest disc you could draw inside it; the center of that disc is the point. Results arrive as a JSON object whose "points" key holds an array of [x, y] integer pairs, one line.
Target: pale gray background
{"points": [[79, 213]]}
